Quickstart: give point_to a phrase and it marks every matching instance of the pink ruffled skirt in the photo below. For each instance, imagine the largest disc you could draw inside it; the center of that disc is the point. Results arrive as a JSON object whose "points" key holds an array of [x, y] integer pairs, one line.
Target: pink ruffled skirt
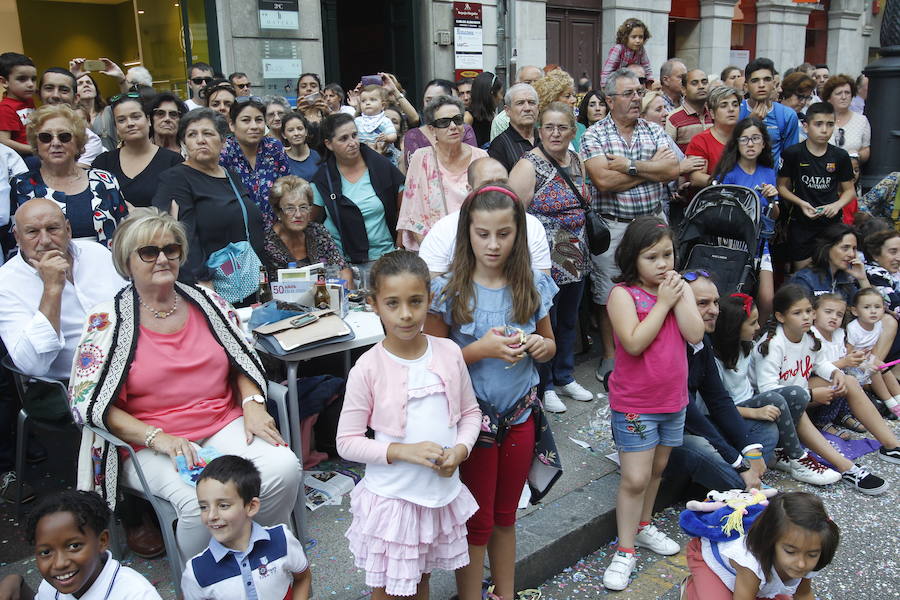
{"points": [[395, 541]]}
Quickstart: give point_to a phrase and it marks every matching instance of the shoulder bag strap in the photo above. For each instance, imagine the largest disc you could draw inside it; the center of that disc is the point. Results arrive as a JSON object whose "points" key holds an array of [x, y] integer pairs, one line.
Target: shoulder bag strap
{"points": [[437, 167], [240, 201], [332, 198], [565, 176]]}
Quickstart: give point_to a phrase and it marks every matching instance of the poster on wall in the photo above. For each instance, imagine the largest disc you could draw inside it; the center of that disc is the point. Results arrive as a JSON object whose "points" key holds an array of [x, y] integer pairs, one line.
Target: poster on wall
{"points": [[739, 58], [468, 39], [279, 14]]}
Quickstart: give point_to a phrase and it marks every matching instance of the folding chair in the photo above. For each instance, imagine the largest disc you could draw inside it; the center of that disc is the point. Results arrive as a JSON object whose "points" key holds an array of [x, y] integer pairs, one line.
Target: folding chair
{"points": [[24, 420]]}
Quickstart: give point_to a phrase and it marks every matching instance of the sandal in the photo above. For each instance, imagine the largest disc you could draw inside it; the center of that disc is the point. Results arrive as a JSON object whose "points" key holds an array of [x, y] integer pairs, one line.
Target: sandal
{"points": [[851, 423], [529, 594], [836, 431]]}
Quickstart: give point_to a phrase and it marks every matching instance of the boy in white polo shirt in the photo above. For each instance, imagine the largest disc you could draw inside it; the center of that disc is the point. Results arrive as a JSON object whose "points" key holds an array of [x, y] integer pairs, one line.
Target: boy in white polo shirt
{"points": [[244, 560]]}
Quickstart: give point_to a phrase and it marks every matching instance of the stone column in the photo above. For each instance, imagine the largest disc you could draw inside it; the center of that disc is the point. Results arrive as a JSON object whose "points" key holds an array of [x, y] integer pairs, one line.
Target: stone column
{"points": [[655, 14], [715, 34], [847, 48], [530, 33], [781, 32]]}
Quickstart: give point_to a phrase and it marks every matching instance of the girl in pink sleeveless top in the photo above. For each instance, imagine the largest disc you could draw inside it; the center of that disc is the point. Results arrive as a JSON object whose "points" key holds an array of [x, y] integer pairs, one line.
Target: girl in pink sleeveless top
{"points": [[653, 313]]}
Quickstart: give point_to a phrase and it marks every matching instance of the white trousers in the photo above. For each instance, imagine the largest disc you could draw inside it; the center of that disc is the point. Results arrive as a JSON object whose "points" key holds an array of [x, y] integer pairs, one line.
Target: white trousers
{"points": [[278, 466]]}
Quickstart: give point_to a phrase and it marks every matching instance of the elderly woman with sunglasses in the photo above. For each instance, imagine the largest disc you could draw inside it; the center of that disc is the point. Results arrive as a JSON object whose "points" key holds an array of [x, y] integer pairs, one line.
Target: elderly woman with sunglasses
{"points": [[165, 110], [138, 162], [436, 181], [90, 198], [164, 367], [258, 159]]}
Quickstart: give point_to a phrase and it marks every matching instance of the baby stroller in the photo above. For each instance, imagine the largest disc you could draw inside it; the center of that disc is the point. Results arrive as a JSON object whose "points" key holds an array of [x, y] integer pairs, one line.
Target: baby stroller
{"points": [[720, 234]]}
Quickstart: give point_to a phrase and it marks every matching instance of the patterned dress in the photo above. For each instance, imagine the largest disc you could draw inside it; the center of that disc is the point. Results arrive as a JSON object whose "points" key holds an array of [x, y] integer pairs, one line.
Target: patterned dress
{"points": [[320, 247], [101, 204], [271, 163], [562, 215]]}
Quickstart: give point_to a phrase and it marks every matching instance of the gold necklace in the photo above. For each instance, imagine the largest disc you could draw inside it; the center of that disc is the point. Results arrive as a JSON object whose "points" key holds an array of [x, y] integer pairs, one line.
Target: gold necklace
{"points": [[158, 313]]}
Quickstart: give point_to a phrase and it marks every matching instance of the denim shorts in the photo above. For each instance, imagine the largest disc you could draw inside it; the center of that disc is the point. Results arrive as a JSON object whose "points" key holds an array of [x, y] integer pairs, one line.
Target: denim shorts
{"points": [[635, 432]]}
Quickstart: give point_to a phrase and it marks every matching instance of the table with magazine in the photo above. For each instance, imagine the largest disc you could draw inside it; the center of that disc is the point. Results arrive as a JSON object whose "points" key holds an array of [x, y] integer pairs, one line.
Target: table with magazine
{"points": [[365, 329]]}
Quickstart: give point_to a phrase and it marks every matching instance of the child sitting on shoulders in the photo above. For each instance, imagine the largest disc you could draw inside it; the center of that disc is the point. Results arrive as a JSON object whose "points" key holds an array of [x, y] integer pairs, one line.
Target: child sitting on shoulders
{"points": [[374, 128], [70, 534], [241, 553], [631, 36]]}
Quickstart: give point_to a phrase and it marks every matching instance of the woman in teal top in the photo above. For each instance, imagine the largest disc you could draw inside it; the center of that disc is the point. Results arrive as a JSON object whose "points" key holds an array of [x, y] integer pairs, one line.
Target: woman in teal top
{"points": [[356, 193]]}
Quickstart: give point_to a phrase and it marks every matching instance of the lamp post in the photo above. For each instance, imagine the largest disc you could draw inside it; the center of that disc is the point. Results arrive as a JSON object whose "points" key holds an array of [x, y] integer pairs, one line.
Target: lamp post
{"points": [[881, 103]]}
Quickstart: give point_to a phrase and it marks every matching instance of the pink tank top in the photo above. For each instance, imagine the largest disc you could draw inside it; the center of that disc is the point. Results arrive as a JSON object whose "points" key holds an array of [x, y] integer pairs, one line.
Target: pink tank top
{"points": [[656, 380]]}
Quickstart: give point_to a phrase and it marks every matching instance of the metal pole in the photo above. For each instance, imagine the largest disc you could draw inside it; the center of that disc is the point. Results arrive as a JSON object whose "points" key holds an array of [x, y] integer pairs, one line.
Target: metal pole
{"points": [[501, 69], [881, 104]]}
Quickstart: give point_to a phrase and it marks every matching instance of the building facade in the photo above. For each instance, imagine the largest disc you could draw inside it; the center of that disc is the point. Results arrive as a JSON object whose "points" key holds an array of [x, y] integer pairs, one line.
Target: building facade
{"points": [[275, 40]]}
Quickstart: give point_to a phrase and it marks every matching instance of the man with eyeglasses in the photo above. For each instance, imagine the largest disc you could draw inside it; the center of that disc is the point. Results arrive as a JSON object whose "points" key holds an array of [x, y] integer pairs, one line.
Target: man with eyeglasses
{"points": [[781, 122], [241, 83], [58, 86], [521, 105], [199, 76], [693, 116], [46, 291], [629, 163]]}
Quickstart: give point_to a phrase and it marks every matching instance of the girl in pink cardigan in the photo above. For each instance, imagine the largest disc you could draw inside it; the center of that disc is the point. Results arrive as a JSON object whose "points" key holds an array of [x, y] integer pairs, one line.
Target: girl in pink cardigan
{"points": [[410, 509]]}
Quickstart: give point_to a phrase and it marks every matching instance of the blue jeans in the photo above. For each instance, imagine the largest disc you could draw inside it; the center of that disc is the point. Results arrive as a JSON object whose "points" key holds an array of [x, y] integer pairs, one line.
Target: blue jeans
{"points": [[564, 320], [697, 461]]}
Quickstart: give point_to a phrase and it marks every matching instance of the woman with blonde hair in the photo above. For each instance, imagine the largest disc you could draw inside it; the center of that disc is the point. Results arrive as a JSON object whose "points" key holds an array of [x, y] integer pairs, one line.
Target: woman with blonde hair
{"points": [[558, 86]]}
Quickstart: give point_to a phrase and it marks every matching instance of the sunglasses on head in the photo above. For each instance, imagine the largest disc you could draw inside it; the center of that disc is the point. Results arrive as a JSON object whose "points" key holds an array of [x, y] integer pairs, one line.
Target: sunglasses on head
{"points": [[244, 99], [444, 122], [694, 275], [64, 137], [151, 253], [199, 80], [125, 96]]}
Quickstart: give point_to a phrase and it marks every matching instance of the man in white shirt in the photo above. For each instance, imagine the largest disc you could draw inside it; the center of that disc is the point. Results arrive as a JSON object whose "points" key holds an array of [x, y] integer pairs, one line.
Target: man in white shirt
{"points": [[48, 288], [438, 246], [200, 75], [11, 164]]}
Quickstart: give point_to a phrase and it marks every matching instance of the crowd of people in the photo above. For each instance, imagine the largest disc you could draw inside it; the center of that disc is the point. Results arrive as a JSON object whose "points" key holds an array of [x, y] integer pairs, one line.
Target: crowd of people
{"points": [[136, 224]]}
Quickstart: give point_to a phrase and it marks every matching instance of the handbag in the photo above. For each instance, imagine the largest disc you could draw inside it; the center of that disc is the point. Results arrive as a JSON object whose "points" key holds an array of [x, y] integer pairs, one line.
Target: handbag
{"points": [[235, 268], [595, 227]]}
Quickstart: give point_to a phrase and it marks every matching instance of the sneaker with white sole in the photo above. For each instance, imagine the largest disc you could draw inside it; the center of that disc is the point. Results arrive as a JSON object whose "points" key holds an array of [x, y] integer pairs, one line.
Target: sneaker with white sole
{"points": [[575, 391], [552, 403], [865, 482], [782, 462], [808, 470], [618, 574], [653, 539], [891, 455]]}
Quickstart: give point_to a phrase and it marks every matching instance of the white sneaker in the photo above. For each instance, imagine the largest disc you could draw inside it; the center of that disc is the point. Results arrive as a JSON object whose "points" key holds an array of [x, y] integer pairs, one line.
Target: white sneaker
{"points": [[575, 391], [618, 573], [782, 462], [552, 403], [653, 539], [808, 470]]}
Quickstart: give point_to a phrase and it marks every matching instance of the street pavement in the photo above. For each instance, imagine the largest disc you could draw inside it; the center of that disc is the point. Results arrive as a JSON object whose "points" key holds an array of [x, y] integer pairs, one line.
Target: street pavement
{"points": [[566, 540]]}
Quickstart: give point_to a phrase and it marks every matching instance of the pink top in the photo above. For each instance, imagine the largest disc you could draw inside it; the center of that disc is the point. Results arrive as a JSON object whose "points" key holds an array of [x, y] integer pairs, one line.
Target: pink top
{"points": [[376, 397], [180, 381], [655, 381]]}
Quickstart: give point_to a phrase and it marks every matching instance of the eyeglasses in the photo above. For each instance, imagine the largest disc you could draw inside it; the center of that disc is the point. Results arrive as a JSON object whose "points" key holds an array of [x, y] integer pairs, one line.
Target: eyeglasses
{"points": [[562, 129], [841, 137], [64, 137], [125, 96], [753, 139], [639, 92], [293, 210], [694, 275], [149, 254], [162, 114], [200, 80], [444, 122], [244, 99]]}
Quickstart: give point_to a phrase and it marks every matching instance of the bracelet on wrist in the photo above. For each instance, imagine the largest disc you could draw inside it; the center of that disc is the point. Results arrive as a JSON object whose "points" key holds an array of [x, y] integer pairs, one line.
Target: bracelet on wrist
{"points": [[151, 435]]}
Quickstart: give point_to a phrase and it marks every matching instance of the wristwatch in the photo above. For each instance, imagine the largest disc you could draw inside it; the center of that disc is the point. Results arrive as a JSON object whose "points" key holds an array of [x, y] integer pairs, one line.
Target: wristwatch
{"points": [[632, 169], [254, 398], [743, 467]]}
